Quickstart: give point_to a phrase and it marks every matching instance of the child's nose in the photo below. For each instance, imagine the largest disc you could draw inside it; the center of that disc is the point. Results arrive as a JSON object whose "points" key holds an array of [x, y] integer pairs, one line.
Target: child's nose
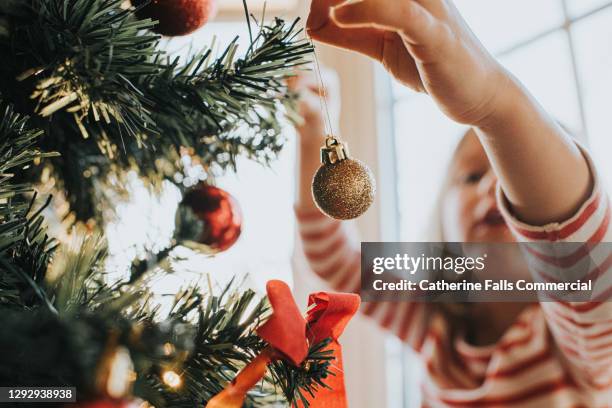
{"points": [[488, 183]]}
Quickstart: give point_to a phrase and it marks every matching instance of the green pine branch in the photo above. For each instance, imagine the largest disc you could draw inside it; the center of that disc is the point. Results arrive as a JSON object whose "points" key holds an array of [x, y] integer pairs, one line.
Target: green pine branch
{"points": [[25, 248], [93, 76]]}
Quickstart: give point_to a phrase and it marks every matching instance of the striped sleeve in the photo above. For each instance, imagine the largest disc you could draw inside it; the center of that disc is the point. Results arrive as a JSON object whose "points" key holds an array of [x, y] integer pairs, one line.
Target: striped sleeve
{"points": [[334, 256], [582, 330]]}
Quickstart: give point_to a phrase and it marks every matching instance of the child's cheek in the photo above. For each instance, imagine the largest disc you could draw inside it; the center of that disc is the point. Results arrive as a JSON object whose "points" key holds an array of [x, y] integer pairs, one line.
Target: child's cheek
{"points": [[456, 215]]}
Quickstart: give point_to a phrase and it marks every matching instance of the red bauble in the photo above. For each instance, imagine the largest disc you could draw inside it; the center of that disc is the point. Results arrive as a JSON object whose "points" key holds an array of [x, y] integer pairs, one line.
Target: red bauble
{"points": [[219, 212], [177, 17]]}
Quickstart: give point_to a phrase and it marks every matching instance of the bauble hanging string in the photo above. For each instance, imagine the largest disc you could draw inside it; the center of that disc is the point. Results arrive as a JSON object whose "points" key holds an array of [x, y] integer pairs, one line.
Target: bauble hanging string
{"points": [[343, 188]]}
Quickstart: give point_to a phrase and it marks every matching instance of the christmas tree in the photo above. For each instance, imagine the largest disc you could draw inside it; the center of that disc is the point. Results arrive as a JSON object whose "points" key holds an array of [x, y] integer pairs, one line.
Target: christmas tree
{"points": [[88, 96]]}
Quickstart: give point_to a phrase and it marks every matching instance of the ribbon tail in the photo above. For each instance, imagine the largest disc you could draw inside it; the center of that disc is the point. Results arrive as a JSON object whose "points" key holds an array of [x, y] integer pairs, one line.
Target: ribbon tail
{"points": [[328, 316], [335, 395], [235, 392]]}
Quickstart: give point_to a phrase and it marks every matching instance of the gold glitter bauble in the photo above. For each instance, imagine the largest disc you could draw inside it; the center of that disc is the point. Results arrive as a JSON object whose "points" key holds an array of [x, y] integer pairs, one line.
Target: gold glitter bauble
{"points": [[344, 190]]}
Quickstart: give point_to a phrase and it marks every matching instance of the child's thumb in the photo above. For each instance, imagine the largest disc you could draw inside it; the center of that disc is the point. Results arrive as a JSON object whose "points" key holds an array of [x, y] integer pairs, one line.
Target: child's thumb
{"points": [[318, 17]]}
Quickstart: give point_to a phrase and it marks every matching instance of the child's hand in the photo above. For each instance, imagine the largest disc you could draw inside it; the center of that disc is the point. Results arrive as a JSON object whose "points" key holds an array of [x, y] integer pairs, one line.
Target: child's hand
{"points": [[425, 44], [312, 129]]}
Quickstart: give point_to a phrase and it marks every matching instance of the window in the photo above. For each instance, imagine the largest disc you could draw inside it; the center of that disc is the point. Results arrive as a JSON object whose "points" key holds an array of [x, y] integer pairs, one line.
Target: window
{"points": [[559, 49]]}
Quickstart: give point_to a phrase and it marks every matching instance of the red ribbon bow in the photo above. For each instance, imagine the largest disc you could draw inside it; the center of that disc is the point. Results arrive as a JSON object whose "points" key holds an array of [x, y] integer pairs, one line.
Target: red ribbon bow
{"points": [[288, 335]]}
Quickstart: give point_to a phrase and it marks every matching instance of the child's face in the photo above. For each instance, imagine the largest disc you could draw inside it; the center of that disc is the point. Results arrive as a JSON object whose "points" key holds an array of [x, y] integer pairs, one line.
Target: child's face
{"points": [[469, 208]]}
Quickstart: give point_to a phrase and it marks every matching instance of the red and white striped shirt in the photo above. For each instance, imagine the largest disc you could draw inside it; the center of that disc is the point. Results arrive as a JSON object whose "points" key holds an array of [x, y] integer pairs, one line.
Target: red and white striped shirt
{"points": [[556, 354]]}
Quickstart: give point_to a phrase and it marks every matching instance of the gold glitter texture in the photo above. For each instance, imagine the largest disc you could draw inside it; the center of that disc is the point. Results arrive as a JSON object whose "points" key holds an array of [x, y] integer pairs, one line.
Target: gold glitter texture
{"points": [[344, 190]]}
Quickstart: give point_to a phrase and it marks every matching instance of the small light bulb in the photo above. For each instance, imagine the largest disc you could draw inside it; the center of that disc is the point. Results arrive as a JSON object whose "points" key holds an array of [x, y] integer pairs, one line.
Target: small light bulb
{"points": [[172, 379], [121, 374], [169, 349]]}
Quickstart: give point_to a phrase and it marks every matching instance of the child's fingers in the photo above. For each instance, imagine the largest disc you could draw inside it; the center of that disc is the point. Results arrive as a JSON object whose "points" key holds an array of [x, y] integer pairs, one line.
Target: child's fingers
{"points": [[386, 47], [398, 61], [367, 41], [405, 16], [319, 13]]}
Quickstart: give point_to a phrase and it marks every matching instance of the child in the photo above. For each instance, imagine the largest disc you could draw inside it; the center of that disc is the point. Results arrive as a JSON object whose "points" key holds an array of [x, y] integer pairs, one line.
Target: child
{"points": [[515, 175]]}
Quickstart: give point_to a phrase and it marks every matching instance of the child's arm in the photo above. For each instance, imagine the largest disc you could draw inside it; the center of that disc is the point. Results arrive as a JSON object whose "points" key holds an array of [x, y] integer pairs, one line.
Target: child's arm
{"points": [[427, 45], [327, 244], [582, 330]]}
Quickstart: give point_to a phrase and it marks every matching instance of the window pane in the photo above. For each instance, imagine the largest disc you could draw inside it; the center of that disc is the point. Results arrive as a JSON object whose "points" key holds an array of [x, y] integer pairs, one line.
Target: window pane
{"points": [[594, 55], [545, 67], [503, 23], [425, 139], [579, 7]]}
